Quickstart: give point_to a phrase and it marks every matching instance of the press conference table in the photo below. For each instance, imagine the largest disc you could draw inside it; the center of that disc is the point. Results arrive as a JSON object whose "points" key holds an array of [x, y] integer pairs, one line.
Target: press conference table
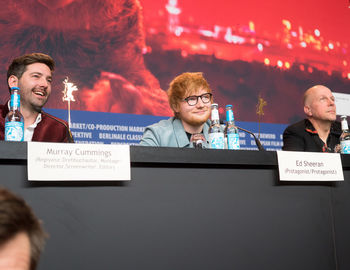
{"points": [[188, 209]]}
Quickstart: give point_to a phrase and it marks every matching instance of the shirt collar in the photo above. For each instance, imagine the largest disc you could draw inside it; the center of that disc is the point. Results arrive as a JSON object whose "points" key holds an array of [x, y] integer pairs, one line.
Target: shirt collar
{"points": [[37, 120], [311, 129], [180, 134]]}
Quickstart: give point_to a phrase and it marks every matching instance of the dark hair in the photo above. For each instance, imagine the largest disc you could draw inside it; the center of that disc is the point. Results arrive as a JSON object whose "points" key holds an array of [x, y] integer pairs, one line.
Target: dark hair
{"points": [[19, 64], [16, 216], [184, 85]]}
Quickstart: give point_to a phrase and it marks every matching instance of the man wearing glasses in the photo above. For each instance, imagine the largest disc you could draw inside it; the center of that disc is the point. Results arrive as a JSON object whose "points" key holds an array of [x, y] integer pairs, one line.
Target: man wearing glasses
{"points": [[190, 98]]}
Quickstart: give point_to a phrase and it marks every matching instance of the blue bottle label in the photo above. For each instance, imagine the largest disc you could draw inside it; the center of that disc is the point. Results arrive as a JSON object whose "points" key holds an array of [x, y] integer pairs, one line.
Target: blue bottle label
{"points": [[217, 140], [233, 141], [229, 116], [14, 131], [345, 147], [15, 101]]}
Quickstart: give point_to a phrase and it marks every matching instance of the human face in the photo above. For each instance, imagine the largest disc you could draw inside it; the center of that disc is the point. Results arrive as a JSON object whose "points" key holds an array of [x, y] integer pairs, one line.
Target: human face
{"points": [[320, 104], [193, 117], [15, 253], [35, 86]]}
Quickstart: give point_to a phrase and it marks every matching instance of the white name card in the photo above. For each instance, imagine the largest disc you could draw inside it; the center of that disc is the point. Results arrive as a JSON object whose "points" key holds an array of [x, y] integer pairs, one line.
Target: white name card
{"points": [[342, 101], [74, 162], [309, 166]]}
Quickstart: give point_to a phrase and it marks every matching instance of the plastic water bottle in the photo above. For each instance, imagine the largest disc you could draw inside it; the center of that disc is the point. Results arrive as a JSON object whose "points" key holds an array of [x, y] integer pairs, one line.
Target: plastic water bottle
{"points": [[345, 136], [231, 131], [14, 122], [216, 133]]}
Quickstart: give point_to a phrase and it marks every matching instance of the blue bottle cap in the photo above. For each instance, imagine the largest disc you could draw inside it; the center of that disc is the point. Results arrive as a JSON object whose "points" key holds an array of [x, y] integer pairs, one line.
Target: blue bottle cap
{"points": [[14, 88]]}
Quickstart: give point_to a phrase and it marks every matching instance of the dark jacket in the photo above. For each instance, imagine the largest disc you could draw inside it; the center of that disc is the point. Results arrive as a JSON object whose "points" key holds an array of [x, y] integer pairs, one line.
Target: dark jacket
{"points": [[302, 136], [50, 128]]}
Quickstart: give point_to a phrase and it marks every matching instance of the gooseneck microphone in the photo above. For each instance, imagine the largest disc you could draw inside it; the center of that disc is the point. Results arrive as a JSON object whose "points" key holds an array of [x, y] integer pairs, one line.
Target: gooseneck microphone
{"points": [[257, 141]]}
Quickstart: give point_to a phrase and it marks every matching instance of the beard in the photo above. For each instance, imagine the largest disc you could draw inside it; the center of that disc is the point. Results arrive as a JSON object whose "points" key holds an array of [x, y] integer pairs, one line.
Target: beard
{"points": [[30, 102], [196, 120]]}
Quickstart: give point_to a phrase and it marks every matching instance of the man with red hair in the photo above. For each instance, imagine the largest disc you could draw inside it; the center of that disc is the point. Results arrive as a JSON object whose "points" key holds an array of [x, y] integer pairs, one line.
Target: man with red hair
{"points": [[190, 98]]}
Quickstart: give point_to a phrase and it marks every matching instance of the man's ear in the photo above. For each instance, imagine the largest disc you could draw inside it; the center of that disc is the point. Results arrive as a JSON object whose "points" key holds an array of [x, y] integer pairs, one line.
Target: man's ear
{"points": [[176, 108], [307, 110], [12, 81]]}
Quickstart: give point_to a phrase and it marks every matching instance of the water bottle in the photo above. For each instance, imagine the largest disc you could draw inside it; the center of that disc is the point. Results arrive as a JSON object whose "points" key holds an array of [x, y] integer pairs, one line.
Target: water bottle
{"points": [[345, 136], [216, 133], [231, 131], [14, 122]]}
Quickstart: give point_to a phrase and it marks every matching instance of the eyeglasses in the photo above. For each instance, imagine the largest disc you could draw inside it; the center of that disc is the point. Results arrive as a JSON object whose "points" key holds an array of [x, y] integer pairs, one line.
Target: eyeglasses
{"points": [[193, 100]]}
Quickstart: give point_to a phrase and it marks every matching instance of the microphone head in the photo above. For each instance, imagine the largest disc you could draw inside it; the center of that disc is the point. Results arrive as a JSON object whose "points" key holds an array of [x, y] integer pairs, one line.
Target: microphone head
{"points": [[197, 139]]}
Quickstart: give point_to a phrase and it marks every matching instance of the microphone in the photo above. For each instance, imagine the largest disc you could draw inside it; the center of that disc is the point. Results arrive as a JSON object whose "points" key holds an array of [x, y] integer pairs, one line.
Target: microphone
{"points": [[197, 139], [258, 143]]}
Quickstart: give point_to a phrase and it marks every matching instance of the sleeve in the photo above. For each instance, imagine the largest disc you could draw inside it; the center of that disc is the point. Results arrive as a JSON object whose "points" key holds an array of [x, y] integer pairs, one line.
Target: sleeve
{"points": [[292, 140], [150, 138], [52, 129], [66, 135]]}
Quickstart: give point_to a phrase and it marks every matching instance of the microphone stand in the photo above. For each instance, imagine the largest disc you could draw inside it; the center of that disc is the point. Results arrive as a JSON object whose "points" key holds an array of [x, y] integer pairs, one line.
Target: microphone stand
{"points": [[258, 143]]}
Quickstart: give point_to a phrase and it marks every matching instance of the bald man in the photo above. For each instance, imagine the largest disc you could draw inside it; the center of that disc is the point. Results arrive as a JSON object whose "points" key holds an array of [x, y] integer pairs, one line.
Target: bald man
{"points": [[319, 132]]}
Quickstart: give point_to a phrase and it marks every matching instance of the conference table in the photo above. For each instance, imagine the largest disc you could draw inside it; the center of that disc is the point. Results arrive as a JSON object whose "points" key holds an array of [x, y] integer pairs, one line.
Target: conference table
{"points": [[188, 209]]}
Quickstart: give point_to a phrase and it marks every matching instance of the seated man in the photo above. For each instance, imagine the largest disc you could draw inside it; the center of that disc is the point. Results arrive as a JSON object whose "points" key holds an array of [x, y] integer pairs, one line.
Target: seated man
{"points": [[319, 132], [32, 73], [190, 98], [21, 235]]}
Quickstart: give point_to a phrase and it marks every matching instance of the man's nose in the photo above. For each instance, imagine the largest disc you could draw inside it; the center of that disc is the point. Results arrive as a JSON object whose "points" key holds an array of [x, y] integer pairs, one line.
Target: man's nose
{"points": [[200, 102], [43, 82]]}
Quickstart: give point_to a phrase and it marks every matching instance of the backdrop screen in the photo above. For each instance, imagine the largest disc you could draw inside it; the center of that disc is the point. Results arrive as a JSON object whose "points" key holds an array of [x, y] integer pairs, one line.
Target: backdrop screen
{"points": [[122, 54]]}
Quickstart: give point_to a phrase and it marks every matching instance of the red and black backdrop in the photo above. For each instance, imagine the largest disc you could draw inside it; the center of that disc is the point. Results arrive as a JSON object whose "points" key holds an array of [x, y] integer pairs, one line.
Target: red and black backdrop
{"points": [[122, 54]]}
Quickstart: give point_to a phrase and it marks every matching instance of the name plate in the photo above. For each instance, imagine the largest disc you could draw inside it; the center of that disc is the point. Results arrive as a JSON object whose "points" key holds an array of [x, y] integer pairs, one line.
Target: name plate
{"points": [[77, 162], [309, 166], [342, 102]]}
